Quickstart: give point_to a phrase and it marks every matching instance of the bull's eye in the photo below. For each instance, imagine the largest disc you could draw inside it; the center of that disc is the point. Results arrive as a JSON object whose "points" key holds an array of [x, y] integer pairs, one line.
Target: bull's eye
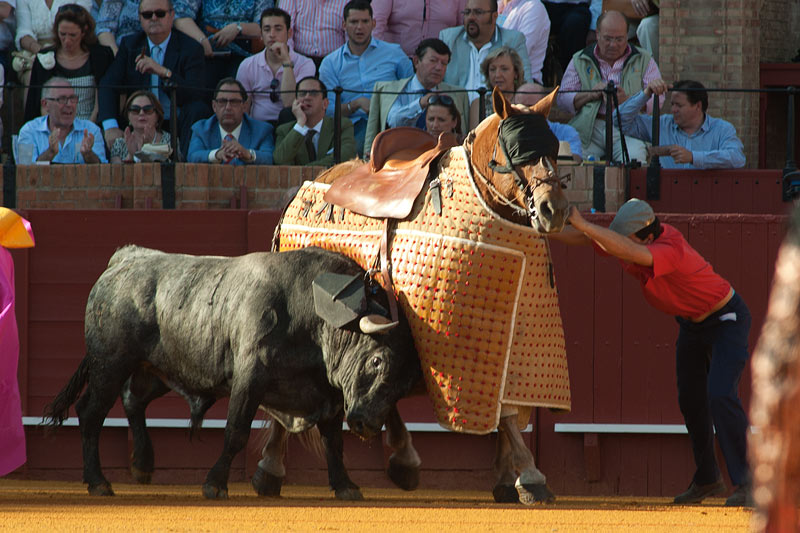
{"points": [[376, 362]]}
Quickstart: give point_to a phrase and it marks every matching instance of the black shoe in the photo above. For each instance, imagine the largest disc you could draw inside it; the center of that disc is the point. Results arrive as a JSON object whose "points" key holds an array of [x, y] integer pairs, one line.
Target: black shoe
{"points": [[697, 493], [741, 497]]}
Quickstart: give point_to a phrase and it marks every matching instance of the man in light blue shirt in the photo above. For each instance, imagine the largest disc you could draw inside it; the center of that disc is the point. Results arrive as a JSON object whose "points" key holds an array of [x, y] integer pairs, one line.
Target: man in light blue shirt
{"points": [[689, 137], [58, 136], [358, 64]]}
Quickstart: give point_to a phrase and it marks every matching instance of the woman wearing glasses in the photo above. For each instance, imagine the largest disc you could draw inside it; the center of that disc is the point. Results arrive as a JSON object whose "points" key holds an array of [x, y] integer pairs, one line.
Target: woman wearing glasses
{"points": [[144, 114], [75, 56]]}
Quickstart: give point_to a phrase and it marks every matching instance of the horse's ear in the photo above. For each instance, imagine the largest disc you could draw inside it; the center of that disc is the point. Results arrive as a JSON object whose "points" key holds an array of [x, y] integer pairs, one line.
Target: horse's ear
{"points": [[543, 106], [502, 107]]}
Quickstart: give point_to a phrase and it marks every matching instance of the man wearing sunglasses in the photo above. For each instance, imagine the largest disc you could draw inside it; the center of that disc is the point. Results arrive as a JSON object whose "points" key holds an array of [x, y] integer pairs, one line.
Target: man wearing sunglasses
{"points": [[59, 137], [472, 42], [388, 109], [309, 140], [230, 136], [151, 59], [269, 76]]}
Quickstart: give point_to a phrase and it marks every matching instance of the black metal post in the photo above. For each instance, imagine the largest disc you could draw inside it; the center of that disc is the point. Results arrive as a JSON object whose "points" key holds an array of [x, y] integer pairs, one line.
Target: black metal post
{"points": [[173, 116], [481, 103], [653, 184], [10, 166], [610, 90], [337, 125], [791, 176]]}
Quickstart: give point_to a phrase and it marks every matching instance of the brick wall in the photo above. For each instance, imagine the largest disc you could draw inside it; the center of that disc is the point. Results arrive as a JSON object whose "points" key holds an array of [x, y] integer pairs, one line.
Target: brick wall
{"points": [[717, 43], [780, 20]]}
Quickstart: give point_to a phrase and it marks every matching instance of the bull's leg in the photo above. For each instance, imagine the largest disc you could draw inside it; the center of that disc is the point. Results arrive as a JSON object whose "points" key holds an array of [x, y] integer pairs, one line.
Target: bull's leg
{"points": [[531, 483], [270, 473], [504, 490], [404, 462], [92, 408], [241, 411], [137, 393], [331, 433]]}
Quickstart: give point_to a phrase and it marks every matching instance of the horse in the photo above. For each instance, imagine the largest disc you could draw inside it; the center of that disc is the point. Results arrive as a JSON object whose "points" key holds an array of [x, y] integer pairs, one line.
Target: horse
{"points": [[511, 158]]}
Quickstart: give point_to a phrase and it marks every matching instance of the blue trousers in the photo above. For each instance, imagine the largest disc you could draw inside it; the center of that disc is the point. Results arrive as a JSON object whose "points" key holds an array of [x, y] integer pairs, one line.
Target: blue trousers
{"points": [[710, 358]]}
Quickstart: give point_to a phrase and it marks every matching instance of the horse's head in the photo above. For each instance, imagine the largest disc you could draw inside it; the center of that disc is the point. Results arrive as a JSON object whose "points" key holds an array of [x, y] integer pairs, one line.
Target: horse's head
{"points": [[514, 153]]}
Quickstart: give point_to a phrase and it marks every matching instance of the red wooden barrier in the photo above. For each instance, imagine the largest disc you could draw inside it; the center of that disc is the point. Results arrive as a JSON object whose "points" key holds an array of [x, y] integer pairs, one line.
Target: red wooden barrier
{"points": [[620, 354]]}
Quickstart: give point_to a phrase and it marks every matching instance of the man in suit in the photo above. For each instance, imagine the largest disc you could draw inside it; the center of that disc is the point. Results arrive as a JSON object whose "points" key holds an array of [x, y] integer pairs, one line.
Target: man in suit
{"points": [[309, 140], [230, 136], [471, 44], [389, 110], [151, 58]]}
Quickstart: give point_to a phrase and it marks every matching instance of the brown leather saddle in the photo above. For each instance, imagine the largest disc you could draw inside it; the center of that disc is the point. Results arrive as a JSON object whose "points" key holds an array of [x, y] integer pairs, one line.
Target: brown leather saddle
{"points": [[387, 186]]}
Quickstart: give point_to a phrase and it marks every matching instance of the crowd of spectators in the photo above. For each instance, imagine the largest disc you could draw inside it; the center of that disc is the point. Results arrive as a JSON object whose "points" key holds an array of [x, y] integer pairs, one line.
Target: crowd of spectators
{"points": [[254, 80]]}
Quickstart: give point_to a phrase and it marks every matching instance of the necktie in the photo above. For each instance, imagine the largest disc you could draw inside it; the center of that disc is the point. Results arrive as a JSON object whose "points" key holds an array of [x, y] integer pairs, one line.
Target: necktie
{"points": [[421, 120], [229, 138], [312, 152], [157, 53]]}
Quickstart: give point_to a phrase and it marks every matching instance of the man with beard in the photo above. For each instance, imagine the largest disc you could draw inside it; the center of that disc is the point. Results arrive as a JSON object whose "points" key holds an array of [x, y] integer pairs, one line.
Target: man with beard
{"points": [[471, 44], [388, 109], [230, 136], [358, 64], [59, 137]]}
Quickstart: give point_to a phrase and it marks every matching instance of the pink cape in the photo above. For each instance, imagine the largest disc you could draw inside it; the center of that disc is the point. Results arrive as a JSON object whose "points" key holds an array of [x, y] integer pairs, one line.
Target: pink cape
{"points": [[12, 435]]}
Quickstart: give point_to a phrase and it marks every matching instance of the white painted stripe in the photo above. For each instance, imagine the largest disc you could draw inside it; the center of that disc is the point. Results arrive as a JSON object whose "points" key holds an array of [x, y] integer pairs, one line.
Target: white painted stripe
{"points": [[662, 429]]}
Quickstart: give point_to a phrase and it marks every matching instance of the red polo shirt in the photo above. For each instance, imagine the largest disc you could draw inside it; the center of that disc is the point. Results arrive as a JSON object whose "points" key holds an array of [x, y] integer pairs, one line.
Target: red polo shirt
{"points": [[680, 282]]}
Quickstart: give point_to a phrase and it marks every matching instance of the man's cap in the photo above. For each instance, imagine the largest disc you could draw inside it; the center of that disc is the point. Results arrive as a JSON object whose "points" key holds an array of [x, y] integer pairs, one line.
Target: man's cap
{"points": [[634, 215]]}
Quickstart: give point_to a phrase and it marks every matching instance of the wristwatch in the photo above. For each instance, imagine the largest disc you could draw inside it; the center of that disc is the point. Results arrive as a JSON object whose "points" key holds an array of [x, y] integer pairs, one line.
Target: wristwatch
{"points": [[239, 28]]}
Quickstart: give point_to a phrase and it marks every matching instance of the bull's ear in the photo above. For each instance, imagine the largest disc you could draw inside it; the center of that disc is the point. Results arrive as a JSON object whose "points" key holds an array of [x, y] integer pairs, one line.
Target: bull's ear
{"points": [[372, 324]]}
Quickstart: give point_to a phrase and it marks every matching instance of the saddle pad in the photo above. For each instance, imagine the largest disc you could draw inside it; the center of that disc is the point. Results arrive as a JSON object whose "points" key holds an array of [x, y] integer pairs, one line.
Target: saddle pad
{"points": [[476, 291]]}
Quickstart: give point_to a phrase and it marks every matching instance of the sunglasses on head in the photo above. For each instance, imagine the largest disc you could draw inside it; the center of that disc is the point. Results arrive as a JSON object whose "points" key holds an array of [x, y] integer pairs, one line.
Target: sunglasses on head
{"points": [[440, 99], [160, 13], [273, 90], [148, 109]]}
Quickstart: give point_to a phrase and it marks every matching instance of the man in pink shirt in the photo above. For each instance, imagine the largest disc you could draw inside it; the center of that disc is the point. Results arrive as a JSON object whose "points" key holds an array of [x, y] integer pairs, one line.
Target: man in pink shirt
{"points": [[318, 26], [530, 18], [270, 76], [712, 347], [409, 22]]}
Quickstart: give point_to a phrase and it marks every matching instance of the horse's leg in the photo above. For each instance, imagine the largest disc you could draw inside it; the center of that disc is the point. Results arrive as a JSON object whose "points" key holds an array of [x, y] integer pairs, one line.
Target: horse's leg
{"points": [[404, 462], [531, 483], [504, 490], [242, 409], [137, 393], [331, 432], [269, 475]]}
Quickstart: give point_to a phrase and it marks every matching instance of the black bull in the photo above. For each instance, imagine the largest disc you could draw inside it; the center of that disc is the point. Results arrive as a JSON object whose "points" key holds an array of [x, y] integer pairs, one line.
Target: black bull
{"points": [[244, 327]]}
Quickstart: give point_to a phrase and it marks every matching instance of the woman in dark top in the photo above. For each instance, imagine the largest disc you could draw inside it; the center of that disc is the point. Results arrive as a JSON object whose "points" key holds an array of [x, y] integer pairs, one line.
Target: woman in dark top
{"points": [[76, 56]]}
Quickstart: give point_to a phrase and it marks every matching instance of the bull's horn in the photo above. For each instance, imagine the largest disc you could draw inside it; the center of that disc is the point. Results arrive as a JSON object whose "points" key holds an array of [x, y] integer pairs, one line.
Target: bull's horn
{"points": [[376, 324]]}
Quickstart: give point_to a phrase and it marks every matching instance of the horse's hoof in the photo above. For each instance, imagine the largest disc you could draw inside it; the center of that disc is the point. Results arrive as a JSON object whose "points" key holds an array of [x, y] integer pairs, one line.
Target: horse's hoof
{"points": [[212, 492], [140, 476], [404, 476], [266, 484], [350, 495], [101, 489], [505, 494], [531, 494]]}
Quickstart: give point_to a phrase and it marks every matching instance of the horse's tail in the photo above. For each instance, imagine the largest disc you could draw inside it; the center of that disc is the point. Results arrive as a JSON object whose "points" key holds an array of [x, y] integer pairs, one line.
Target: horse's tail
{"points": [[58, 410]]}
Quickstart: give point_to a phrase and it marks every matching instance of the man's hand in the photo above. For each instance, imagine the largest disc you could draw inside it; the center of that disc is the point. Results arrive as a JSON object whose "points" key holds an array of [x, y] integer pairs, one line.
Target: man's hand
{"points": [[681, 155], [148, 65], [52, 141], [298, 113], [642, 7], [423, 102], [280, 51], [225, 36], [233, 150], [581, 99], [657, 86], [621, 95], [86, 144], [575, 218], [361, 102]]}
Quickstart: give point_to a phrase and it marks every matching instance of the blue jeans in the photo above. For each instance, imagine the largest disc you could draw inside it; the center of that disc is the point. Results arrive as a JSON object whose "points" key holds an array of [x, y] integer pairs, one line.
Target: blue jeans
{"points": [[710, 358]]}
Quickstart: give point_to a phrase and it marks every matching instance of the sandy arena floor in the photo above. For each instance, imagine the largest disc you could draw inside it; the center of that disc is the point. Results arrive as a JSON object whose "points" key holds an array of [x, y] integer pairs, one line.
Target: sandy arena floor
{"points": [[60, 506]]}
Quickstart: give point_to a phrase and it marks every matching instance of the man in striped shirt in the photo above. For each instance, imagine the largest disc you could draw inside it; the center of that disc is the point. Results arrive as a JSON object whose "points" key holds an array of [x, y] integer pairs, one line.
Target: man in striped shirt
{"points": [[611, 58], [318, 26]]}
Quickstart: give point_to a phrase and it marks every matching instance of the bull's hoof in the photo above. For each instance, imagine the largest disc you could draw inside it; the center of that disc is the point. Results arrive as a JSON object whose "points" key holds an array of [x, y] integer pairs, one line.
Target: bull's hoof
{"points": [[349, 495], [404, 476], [266, 484], [140, 476], [505, 494], [533, 493], [101, 489], [211, 492]]}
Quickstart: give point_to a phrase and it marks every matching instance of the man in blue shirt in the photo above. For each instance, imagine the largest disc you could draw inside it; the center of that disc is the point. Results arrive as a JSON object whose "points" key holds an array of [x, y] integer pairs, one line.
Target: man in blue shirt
{"points": [[689, 137], [358, 64], [58, 136]]}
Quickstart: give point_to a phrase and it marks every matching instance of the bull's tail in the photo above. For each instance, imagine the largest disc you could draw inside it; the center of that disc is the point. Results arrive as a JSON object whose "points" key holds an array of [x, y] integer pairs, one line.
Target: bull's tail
{"points": [[58, 410], [310, 438]]}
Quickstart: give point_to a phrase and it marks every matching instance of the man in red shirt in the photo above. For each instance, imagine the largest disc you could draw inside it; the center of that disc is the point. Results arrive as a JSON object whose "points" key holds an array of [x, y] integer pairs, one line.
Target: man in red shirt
{"points": [[711, 350]]}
